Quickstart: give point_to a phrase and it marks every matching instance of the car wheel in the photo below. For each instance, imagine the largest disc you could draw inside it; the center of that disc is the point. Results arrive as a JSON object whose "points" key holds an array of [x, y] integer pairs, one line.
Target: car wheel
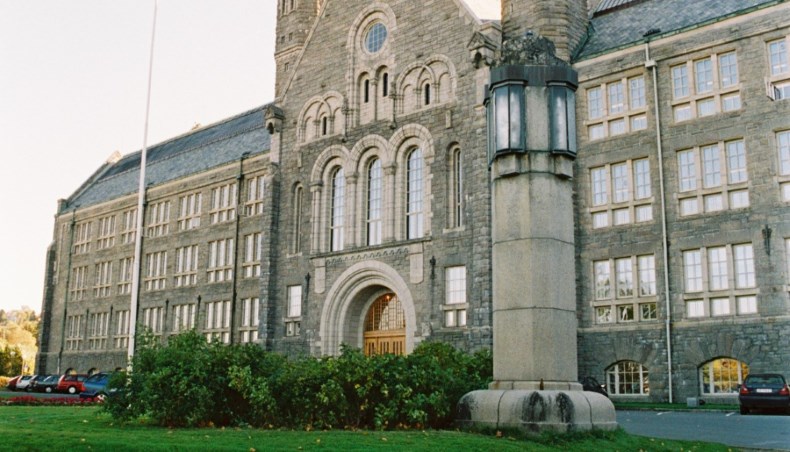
{"points": [[72, 389], [101, 397], [744, 410], [48, 390]]}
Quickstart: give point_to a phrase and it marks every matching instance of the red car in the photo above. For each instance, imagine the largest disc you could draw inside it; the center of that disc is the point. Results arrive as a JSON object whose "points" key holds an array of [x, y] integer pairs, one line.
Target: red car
{"points": [[71, 384], [12, 383]]}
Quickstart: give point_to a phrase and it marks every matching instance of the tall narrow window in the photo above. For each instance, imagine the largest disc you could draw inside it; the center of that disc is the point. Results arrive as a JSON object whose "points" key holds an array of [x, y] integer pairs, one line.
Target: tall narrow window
{"points": [[414, 195], [457, 190], [680, 81], [717, 268], [777, 51], [324, 126], [297, 220], [728, 70], [366, 91], [692, 266], [455, 307], [385, 83], [744, 266], [703, 71], [337, 210], [374, 203], [293, 311], [616, 98], [427, 93]]}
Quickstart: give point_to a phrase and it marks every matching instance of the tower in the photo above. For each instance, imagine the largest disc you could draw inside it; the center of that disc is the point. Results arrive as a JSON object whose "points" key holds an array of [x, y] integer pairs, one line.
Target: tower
{"points": [[294, 20], [563, 22]]}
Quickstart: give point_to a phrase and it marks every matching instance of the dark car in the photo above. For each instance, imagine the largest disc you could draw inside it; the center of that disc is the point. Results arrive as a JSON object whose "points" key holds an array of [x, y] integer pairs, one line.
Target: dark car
{"points": [[45, 383], [96, 386], [592, 385], [71, 383], [768, 391]]}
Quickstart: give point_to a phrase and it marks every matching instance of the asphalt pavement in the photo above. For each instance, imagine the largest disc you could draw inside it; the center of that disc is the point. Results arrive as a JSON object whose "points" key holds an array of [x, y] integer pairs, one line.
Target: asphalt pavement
{"points": [[765, 431]]}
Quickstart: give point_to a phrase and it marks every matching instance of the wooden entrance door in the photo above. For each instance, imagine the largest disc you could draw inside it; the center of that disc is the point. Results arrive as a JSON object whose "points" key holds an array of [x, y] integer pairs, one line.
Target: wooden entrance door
{"points": [[385, 327]]}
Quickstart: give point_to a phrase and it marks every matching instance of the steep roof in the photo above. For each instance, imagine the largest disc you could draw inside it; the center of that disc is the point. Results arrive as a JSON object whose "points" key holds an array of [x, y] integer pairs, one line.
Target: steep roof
{"points": [[188, 154], [620, 23]]}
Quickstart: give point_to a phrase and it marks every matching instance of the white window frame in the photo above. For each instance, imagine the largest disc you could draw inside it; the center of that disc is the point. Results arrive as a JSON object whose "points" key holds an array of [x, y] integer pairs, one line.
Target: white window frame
{"points": [[624, 289], [189, 208], [715, 88], [186, 265], [616, 107], [713, 178], [220, 260], [718, 273], [158, 219], [621, 193], [223, 203], [456, 306], [293, 310]]}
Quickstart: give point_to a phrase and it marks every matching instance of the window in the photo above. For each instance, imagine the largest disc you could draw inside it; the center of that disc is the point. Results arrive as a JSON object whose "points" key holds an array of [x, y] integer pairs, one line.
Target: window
{"points": [[156, 270], [708, 274], [128, 226], [621, 193], [189, 211], [711, 94], [627, 378], [414, 195], [73, 332], [374, 210], [125, 276], [223, 203], [777, 57], [252, 255], [121, 336], [296, 241], [186, 266], [79, 282], [249, 320], [711, 180], [184, 317], [626, 299], [153, 319], [722, 376], [158, 218], [617, 114], [293, 312], [103, 280], [106, 237], [426, 91], [375, 37], [256, 189], [82, 238], [220, 260], [98, 327], [455, 307], [218, 321], [783, 146], [456, 189], [337, 220]]}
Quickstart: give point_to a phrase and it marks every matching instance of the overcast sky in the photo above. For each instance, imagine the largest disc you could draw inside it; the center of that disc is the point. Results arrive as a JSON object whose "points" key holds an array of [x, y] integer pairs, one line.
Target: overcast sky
{"points": [[73, 79]]}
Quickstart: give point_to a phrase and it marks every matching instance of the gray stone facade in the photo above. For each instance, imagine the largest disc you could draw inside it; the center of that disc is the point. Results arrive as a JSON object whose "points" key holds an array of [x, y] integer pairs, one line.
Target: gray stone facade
{"points": [[343, 103]]}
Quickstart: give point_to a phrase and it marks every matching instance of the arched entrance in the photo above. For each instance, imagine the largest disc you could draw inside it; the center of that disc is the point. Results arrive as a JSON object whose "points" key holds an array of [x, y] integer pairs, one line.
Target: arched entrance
{"points": [[385, 327]]}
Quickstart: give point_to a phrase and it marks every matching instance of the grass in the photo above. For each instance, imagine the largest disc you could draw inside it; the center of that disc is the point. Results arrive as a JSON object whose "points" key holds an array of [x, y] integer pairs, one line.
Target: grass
{"points": [[88, 428]]}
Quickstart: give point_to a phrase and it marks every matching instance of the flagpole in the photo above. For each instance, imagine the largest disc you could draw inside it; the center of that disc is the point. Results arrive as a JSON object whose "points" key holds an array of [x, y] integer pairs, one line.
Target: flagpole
{"points": [[138, 242]]}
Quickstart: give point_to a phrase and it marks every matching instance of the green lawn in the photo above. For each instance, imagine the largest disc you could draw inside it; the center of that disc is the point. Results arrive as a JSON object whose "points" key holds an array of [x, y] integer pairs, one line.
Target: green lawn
{"points": [[87, 428]]}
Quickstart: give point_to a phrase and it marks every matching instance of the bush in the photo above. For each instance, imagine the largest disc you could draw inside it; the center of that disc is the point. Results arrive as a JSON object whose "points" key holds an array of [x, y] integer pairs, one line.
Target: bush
{"points": [[189, 382], [4, 382]]}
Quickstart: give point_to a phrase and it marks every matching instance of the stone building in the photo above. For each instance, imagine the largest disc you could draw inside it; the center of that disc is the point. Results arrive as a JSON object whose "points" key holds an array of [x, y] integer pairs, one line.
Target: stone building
{"points": [[356, 207]]}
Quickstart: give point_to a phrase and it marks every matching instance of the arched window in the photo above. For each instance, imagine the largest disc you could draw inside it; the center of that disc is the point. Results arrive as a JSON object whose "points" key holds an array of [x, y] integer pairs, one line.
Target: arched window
{"points": [[427, 93], [627, 377], [324, 126], [414, 195], [456, 189], [385, 83], [366, 93], [296, 243], [337, 210], [722, 376], [374, 203]]}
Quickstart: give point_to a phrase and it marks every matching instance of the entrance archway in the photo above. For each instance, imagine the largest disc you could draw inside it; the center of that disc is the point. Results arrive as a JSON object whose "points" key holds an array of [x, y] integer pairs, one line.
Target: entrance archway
{"points": [[351, 298], [385, 327]]}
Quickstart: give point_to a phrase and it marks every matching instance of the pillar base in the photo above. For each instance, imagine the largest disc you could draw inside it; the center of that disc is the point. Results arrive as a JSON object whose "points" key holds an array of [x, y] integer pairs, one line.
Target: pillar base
{"points": [[535, 411]]}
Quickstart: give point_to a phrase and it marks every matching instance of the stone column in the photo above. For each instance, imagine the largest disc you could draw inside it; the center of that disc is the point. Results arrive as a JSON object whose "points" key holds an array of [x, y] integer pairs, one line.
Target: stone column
{"points": [[532, 147]]}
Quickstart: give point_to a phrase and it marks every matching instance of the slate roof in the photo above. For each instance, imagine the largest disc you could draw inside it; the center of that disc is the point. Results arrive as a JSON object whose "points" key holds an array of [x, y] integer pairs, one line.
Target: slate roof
{"points": [[192, 153], [619, 23]]}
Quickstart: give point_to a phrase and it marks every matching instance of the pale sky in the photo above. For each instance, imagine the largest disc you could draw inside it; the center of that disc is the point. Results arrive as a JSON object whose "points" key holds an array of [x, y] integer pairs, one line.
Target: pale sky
{"points": [[73, 79]]}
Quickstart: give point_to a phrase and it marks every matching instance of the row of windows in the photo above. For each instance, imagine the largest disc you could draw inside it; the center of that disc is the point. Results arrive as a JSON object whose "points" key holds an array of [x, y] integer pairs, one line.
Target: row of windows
{"points": [[720, 376], [711, 178], [220, 264], [700, 88], [221, 208]]}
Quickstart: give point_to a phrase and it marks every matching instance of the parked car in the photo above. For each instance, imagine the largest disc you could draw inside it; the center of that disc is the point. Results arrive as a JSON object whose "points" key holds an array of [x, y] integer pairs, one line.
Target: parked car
{"points": [[12, 383], [96, 386], [764, 391], [592, 385], [71, 384], [45, 383], [24, 382]]}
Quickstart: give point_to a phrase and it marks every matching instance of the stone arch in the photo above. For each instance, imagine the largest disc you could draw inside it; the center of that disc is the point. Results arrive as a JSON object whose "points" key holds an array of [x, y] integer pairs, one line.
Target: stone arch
{"points": [[349, 299], [330, 153], [412, 134], [384, 151], [375, 11], [316, 108], [403, 142]]}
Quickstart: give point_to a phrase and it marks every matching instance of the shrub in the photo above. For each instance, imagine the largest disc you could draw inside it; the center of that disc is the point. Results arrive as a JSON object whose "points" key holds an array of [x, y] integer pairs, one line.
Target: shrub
{"points": [[189, 382]]}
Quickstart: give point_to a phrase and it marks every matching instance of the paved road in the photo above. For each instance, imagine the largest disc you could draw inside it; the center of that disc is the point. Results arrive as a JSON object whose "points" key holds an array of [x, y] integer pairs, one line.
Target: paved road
{"points": [[757, 431]]}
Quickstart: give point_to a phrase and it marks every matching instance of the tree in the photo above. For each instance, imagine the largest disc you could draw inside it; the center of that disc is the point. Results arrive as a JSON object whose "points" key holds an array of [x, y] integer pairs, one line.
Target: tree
{"points": [[10, 361]]}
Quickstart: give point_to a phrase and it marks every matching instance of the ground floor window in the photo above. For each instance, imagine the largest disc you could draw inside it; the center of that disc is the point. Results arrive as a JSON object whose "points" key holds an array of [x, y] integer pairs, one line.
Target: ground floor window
{"points": [[722, 376], [627, 377]]}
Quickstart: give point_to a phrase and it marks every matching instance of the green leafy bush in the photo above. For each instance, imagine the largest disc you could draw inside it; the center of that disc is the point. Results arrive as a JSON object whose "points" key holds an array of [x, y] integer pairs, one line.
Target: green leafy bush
{"points": [[189, 382]]}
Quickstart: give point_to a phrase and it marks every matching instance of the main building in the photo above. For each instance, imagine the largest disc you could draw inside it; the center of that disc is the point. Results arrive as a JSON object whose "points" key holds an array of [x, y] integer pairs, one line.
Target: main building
{"points": [[356, 208]]}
